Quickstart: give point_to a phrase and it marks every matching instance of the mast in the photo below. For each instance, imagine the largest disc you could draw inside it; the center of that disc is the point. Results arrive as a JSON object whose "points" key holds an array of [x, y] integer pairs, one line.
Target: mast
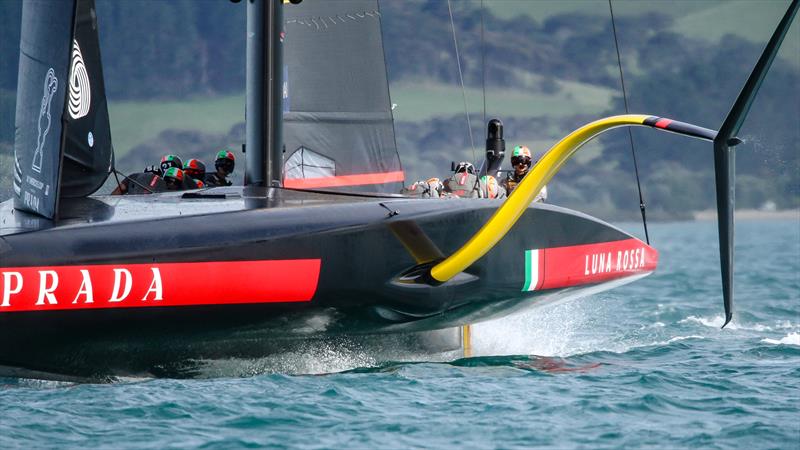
{"points": [[264, 84]]}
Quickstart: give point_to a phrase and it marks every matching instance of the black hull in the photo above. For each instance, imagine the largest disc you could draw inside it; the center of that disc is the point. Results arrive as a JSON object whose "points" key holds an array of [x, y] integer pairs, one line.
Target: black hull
{"points": [[353, 239]]}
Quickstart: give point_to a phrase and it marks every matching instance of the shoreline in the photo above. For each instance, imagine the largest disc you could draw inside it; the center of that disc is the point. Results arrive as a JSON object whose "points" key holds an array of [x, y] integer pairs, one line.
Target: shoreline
{"points": [[751, 214]]}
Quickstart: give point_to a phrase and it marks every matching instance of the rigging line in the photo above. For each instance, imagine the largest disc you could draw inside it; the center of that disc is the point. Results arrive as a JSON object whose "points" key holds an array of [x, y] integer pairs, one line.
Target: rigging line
{"points": [[461, 78], [642, 206], [117, 172], [483, 83], [119, 185], [483, 67]]}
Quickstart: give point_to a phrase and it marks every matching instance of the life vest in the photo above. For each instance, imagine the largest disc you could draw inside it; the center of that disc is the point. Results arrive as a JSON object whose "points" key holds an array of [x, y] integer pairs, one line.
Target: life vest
{"points": [[511, 182], [463, 184], [213, 180], [137, 182]]}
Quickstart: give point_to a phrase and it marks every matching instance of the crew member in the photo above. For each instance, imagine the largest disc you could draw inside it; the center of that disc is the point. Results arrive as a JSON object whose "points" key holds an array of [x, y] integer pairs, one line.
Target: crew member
{"points": [[195, 172], [173, 178], [430, 188], [140, 183], [490, 188], [224, 165], [463, 182], [167, 161], [521, 160]]}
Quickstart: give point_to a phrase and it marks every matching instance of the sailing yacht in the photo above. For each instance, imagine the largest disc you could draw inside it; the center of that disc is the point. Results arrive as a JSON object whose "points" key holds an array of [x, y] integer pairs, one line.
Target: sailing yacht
{"points": [[316, 243]]}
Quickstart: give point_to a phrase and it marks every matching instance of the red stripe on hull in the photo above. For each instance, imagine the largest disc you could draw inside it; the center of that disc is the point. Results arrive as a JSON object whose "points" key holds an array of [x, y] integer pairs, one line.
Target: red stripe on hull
{"points": [[162, 284], [594, 263], [345, 180]]}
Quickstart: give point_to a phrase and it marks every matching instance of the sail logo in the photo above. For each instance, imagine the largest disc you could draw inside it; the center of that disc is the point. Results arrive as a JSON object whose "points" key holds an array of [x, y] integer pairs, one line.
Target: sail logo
{"points": [[80, 93], [43, 124]]}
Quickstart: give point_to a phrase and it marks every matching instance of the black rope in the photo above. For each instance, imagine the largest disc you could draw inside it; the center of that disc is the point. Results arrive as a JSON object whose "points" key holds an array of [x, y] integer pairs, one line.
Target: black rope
{"points": [[483, 85], [461, 79], [630, 133], [131, 180], [483, 66], [119, 185]]}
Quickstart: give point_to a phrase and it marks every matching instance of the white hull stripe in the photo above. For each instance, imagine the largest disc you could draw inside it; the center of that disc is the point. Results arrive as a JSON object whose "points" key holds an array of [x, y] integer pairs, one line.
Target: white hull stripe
{"points": [[531, 270]]}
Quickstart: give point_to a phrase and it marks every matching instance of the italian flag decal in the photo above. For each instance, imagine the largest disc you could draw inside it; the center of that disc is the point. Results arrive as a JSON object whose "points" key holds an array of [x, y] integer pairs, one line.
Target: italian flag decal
{"points": [[559, 267], [532, 278]]}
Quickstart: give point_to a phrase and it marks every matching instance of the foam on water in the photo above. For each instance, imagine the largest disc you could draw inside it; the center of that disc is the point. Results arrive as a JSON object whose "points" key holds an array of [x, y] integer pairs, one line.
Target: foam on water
{"points": [[717, 321], [568, 329], [319, 357], [789, 339]]}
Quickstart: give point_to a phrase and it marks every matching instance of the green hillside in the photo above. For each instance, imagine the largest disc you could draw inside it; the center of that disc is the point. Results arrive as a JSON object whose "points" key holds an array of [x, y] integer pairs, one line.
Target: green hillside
{"points": [[727, 18], [423, 100], [544, 9], [134, 122], [702, 19]]}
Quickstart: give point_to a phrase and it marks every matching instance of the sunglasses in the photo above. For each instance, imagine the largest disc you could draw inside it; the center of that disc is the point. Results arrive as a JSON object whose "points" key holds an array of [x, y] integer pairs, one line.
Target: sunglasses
{"points": [[518, 161], [226, 165]]}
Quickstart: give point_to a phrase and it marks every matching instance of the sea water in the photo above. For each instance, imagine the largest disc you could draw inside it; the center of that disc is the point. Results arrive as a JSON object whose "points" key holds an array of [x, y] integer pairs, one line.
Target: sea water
{"points": [[643, 366]]}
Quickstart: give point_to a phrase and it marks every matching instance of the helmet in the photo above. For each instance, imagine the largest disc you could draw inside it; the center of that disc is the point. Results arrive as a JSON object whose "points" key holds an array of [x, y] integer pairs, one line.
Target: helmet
{"points": [[225, 160], [521, 150], [490, 186], [194, 168], [173, 177], [168, 161], [521, 155], [465, 166]]}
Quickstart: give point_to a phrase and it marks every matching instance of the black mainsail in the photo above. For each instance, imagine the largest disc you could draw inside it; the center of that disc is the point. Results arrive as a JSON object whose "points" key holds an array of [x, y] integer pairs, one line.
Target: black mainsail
{"points": [[61, 107], [338, 130], [88, 154]]}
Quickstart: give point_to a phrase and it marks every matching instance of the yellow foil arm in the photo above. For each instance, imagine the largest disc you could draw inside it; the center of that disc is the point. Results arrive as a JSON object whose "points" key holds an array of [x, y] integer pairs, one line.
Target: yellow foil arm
{"points": [[507, 215]]}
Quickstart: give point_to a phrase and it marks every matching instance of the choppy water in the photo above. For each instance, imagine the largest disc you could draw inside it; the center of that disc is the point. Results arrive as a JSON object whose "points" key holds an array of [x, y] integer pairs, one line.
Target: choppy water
{"points": [[644, 366]]}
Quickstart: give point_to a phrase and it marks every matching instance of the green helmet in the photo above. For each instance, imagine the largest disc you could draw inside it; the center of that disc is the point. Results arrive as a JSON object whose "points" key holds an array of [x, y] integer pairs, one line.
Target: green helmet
{"points": [[521, 155], [225, 160], [521, 150], [174, 173]]}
